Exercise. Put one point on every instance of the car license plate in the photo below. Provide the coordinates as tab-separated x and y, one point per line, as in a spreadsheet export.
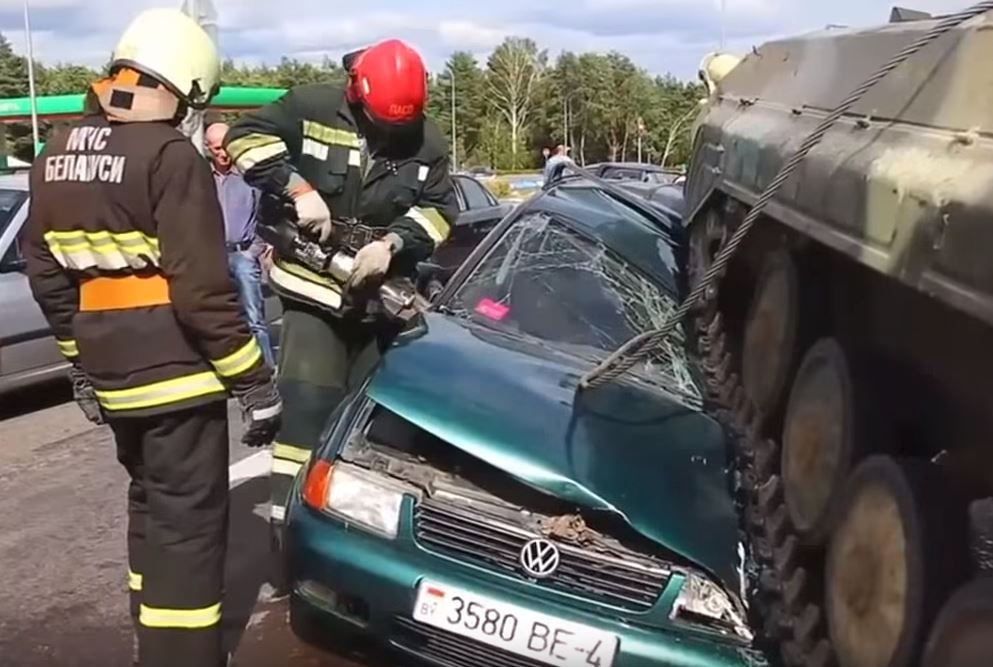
540	637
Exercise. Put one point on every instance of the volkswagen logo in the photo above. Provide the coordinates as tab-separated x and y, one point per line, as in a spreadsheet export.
540	558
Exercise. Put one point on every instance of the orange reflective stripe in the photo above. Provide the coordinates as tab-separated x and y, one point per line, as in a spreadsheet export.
123	292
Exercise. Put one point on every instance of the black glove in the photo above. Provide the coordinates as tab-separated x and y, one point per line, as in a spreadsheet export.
262	408
85	395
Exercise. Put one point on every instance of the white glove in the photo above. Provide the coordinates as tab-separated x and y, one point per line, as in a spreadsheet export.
313	214
373	260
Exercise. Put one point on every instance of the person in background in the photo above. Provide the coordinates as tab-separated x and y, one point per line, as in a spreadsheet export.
560	157
240	205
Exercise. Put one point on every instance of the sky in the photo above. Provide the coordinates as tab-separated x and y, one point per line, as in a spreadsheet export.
661	36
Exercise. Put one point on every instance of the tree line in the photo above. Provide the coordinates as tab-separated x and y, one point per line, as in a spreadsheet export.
505	111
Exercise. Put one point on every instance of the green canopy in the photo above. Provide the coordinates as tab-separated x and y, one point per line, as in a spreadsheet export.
19	108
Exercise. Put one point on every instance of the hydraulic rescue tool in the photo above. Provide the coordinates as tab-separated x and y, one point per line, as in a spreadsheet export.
397	298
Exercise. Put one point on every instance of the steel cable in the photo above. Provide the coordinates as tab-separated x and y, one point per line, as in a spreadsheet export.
642	345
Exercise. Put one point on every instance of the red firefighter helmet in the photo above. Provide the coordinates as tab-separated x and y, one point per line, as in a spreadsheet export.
389	81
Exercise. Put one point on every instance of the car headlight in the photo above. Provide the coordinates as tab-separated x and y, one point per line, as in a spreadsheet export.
702	602
356	495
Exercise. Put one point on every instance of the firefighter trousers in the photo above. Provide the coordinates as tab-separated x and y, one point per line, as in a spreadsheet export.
321	359
177	532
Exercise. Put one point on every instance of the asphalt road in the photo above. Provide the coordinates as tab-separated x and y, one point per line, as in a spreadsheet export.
63	565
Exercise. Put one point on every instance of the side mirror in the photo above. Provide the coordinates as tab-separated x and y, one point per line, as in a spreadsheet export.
429	270
431	279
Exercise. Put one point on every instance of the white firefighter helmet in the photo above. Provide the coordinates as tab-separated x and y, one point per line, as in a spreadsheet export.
171	47
715	66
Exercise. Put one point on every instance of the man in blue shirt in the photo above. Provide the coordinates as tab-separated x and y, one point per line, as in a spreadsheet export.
561	156
240	203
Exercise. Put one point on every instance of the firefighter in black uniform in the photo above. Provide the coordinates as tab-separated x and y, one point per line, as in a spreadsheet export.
365	172
125	254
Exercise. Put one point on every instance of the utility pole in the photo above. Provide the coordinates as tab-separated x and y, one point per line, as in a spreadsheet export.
565	120
641	133
455	144
204	13
723	14
35	134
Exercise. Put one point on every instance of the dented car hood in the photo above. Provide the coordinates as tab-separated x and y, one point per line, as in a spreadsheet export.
621	448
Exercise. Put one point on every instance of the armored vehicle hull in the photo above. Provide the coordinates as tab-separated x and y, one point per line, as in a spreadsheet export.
851	334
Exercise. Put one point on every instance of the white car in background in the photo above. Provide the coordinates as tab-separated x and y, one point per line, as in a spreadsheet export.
28	353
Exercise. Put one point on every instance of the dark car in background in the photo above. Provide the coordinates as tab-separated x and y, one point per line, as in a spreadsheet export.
635	171
468	508
479	213
666	196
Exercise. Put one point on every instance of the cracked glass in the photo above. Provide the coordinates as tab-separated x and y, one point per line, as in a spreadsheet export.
545	281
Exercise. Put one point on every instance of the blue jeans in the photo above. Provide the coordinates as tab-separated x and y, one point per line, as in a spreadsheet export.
246	272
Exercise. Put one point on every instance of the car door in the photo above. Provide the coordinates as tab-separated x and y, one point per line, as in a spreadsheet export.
480	213
27	346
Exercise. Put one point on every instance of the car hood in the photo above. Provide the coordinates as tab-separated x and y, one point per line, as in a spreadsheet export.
622	448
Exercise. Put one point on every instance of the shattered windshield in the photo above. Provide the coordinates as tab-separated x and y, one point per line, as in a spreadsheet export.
545	281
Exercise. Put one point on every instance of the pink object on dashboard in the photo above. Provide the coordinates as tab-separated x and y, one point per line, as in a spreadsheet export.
492	310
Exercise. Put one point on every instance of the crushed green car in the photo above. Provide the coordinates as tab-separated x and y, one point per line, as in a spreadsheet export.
468	508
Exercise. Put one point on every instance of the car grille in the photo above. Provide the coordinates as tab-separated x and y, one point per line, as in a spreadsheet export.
634	582
449	650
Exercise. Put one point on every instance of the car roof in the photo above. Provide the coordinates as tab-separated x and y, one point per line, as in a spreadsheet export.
644	166
624	222
17	180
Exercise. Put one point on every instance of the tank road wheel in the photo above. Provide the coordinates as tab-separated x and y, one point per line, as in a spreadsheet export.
821	440
963	634
769	352
898	550
706	239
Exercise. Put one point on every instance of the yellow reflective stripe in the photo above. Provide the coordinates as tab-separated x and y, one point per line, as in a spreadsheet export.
307	274
189	619
81	235
282	276
134	580
250	142
239	361
290	452
68	348
80	249
432	221
315	149
281	467
82	238
248	157
331	136
107	248
161	393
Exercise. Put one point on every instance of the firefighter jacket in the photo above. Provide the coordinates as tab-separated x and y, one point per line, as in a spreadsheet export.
125	255
311	132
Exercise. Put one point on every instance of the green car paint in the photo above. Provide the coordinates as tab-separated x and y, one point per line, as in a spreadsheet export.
628	450
385	574
631	451
623	448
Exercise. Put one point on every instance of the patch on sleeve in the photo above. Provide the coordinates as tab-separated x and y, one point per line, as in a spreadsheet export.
492	310
422	173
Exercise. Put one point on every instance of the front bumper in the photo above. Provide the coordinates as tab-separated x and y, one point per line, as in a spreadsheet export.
367	585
